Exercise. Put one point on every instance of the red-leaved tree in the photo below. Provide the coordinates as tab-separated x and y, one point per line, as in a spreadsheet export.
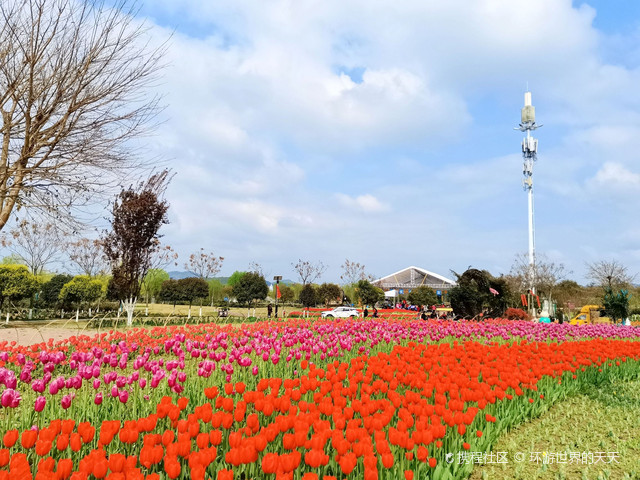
130	246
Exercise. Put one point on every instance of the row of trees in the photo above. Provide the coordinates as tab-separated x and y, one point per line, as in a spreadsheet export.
39	245
478	291
17	283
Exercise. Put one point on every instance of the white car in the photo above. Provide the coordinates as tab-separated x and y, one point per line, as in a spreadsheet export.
340	312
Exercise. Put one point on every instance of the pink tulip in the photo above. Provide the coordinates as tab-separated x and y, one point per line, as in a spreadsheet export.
65	401
10	398
40	403
98	398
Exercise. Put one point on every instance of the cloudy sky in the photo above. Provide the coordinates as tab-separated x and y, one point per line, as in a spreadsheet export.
382	131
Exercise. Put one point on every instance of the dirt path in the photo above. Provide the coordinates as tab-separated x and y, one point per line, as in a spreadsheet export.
31	335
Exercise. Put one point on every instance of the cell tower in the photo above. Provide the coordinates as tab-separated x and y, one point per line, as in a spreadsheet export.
529	156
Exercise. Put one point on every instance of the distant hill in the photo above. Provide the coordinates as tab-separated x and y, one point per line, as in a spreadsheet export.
177	275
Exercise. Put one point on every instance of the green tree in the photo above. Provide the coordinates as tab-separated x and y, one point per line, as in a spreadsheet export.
235	278
193	288
215	290
13	259
80	290
50	293
251	286
329	292
423	296
616	303
227	292
368	294
16	283
152	283
170	292
286	294
308	296
477	290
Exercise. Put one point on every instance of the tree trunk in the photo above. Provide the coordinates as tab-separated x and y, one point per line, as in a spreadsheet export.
129	306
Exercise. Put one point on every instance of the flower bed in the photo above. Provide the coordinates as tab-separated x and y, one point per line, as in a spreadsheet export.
294	399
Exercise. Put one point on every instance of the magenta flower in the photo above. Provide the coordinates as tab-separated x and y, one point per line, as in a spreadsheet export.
98	398
10	398
65	401
40	403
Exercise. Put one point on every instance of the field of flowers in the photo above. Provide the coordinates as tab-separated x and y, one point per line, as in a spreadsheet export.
290	399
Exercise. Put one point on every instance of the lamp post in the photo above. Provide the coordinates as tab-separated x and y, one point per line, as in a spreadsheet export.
277	278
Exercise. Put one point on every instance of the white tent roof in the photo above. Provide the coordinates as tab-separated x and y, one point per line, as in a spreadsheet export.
413	277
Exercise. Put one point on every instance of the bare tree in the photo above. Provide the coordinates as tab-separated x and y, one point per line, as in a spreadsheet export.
309	272
88	256
255	267
609	273
36	244
138	214
354	271
544	277
73	82
163	255
204	265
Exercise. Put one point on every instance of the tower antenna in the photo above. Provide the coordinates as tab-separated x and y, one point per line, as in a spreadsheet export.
529	156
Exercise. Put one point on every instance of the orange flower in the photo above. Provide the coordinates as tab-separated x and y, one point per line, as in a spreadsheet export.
28	439
211	393
10	438
116	462
43	447
100	468
65	466
76	442
408	475
4	457
270	463
225	475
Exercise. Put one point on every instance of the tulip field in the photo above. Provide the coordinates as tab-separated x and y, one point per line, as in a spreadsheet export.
291	399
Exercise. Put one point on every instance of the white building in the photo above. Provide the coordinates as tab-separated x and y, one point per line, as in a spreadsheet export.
413	277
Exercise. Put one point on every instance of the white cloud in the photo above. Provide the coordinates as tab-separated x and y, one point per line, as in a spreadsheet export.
365	203
615	176
276	106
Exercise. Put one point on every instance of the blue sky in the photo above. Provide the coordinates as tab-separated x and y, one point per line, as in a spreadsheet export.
383	132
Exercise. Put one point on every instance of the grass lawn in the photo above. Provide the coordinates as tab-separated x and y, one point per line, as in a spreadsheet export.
605	419
182	310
